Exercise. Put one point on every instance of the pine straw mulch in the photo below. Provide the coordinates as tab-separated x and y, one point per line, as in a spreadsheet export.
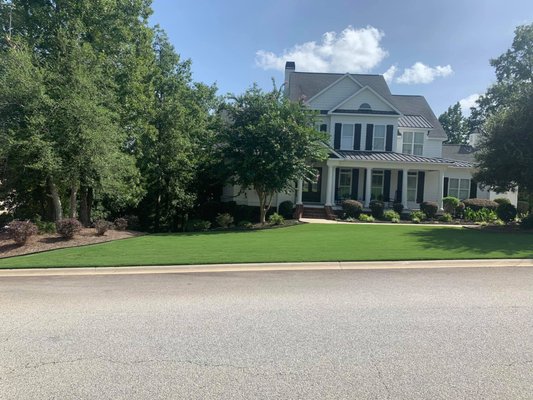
39	243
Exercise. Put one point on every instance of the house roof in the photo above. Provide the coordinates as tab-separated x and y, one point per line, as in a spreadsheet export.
305	85
399	157
414	121
460	152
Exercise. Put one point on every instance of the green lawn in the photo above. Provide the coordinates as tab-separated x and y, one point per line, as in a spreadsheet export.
311	242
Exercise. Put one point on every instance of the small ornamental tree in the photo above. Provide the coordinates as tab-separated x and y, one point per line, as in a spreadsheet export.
268	142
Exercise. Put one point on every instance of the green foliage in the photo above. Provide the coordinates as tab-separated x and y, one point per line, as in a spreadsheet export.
366	218
478	204
527	222
390	215
224	220
418	215
197	225
352	208
377	207
506	212
481	215
446	217
245	225
455	124
398	207
276	219
450	204
502	200
268	142
460	210
429	208
68	227
44	226
286	209
21	231
415	220
522	207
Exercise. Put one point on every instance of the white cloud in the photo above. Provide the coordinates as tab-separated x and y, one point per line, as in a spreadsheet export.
467	102
421	73
389	74
353	50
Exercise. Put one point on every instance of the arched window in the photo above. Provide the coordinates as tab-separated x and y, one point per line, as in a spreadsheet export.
365	106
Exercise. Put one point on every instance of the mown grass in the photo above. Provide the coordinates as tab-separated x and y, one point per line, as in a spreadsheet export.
310	242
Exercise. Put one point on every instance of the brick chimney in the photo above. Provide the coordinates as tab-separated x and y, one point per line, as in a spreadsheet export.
290	67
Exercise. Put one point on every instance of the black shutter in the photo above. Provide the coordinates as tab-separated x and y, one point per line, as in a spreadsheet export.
388	143
369	136
323	128
357	137
399	187
420	188
337	171
337	140
355	183
473	189
386	185
364	186
445	189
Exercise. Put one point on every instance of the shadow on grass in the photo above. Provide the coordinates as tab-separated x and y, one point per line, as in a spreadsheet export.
512	244
225	231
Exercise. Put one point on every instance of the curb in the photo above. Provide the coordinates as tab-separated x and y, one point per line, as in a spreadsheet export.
263	267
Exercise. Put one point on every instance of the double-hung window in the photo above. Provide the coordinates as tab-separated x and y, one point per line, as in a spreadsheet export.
459	188
347	137
376	191
412	184
345	183
413	143
379	138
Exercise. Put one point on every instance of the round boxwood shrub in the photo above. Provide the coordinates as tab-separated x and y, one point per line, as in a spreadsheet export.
352	208
21	231
506	212
429	208
478	204
377	207
286	209
417	216
276	219
196	225
527	222
68	227
102	226
391	215
502	200
450	204
446	217
121	224
224	220
398	207
522	207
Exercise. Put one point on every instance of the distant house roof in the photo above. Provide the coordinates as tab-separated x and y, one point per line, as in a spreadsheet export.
460	152
399	157
413	121
417	105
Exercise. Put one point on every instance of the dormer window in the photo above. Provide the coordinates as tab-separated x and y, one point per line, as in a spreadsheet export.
365	106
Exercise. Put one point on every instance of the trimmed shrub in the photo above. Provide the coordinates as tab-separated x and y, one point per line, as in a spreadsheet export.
395	220
478	204
276	219
522	207
286	209
527	222
102	226
197	225
502	200
415	220
389	215
446	217
68	227
21	231
398	207
418	215
224	220
506	212
429	208
245	225
366	218
377	207
450	204
121	224
352	208
460	210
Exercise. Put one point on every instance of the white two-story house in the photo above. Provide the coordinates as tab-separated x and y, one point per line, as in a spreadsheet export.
382	146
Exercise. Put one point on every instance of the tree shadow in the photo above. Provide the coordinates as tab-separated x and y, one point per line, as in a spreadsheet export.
512	244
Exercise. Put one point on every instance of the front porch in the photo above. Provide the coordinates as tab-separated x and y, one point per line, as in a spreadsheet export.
343	179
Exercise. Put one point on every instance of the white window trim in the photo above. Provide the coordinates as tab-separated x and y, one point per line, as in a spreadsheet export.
457	194
411	144
352	136
415	175
384	138
348	172
377	172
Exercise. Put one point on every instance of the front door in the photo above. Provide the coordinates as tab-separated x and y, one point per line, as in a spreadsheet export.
311	190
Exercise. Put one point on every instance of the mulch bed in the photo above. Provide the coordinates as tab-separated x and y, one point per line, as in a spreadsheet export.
39	243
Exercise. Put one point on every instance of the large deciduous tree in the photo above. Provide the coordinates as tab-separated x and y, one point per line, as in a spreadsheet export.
268	142
454	124
506	151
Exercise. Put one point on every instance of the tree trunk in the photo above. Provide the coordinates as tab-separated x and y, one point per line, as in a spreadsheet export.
264	204
84	211
56	200
90	198
73	202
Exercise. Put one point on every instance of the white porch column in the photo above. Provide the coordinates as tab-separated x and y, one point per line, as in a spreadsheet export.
404	187
299	191
441	189
368	188
330	185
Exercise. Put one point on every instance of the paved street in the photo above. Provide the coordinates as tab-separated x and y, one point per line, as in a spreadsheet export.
389	334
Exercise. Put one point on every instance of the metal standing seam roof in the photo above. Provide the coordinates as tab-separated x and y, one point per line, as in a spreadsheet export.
414	121
398	157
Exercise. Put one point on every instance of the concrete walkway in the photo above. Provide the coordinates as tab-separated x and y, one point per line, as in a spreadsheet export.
259	267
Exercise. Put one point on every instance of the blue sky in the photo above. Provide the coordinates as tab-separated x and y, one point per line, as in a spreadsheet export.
440	49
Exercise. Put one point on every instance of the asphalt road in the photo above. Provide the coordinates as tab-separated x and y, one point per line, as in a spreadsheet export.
389	334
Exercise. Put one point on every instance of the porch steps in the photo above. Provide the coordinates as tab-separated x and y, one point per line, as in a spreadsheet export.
314	212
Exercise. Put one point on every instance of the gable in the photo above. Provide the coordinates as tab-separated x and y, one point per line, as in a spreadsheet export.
365	97
334	94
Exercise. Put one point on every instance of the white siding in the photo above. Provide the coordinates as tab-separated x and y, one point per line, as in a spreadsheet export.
366	96
335	94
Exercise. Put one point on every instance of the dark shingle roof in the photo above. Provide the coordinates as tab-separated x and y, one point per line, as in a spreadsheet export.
460	152
414	121
398	157
417	105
